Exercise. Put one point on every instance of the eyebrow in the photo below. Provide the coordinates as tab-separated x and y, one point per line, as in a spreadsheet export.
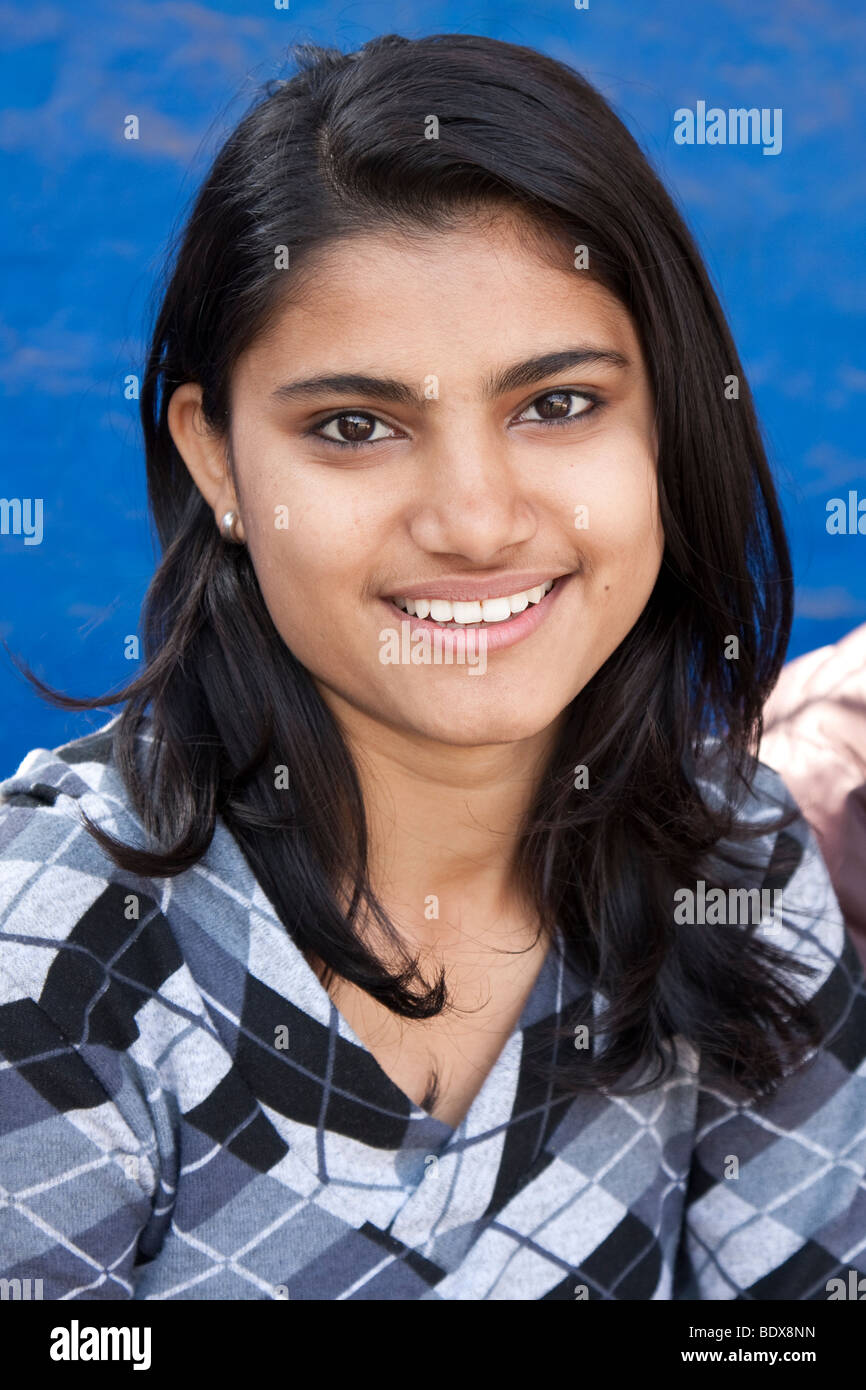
524	373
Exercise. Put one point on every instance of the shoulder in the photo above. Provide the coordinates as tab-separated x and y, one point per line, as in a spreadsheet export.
780	856
58	887
83	946
81	773
800	913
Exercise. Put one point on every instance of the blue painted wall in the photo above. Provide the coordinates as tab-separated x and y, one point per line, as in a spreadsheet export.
89	214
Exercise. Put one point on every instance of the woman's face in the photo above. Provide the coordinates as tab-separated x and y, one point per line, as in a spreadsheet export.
483	471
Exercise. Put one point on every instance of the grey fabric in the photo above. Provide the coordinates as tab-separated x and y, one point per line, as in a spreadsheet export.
161	1137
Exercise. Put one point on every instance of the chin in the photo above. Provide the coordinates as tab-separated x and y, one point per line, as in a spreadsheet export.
477	728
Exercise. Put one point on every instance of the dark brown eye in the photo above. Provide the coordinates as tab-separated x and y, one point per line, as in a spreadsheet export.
554	404
354	428
561	407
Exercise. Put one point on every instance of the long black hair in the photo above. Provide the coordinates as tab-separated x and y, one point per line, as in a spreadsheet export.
343	146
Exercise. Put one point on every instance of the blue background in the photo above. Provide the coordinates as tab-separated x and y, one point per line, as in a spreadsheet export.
90	214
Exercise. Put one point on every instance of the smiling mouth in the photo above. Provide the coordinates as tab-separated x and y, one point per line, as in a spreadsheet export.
480	613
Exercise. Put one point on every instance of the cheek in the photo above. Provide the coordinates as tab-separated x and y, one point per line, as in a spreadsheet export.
618	527
312	525
294	539
296	558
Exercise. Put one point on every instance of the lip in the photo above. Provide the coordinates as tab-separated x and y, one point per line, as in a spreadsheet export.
467	589
498	635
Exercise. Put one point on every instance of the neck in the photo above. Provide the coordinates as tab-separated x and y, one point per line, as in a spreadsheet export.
443	826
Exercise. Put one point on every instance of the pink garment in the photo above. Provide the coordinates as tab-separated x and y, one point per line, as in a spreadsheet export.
815	738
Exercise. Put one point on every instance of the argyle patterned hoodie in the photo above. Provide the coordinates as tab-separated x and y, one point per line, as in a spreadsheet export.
184	1114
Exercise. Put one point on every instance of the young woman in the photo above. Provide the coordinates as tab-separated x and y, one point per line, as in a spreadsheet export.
425	926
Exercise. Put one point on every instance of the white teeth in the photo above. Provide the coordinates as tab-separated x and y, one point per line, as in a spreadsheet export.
467	612
496	610
488	610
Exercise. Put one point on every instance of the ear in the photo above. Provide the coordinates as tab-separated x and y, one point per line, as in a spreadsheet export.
203	452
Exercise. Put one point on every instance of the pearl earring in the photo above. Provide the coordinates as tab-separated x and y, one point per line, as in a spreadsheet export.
228	527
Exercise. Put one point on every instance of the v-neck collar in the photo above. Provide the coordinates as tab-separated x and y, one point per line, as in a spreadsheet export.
489	1103
492	1104
350	1140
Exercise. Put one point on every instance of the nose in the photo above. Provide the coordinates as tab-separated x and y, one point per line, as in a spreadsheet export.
470	500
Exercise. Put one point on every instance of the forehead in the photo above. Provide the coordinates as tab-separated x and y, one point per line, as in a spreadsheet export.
493	284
